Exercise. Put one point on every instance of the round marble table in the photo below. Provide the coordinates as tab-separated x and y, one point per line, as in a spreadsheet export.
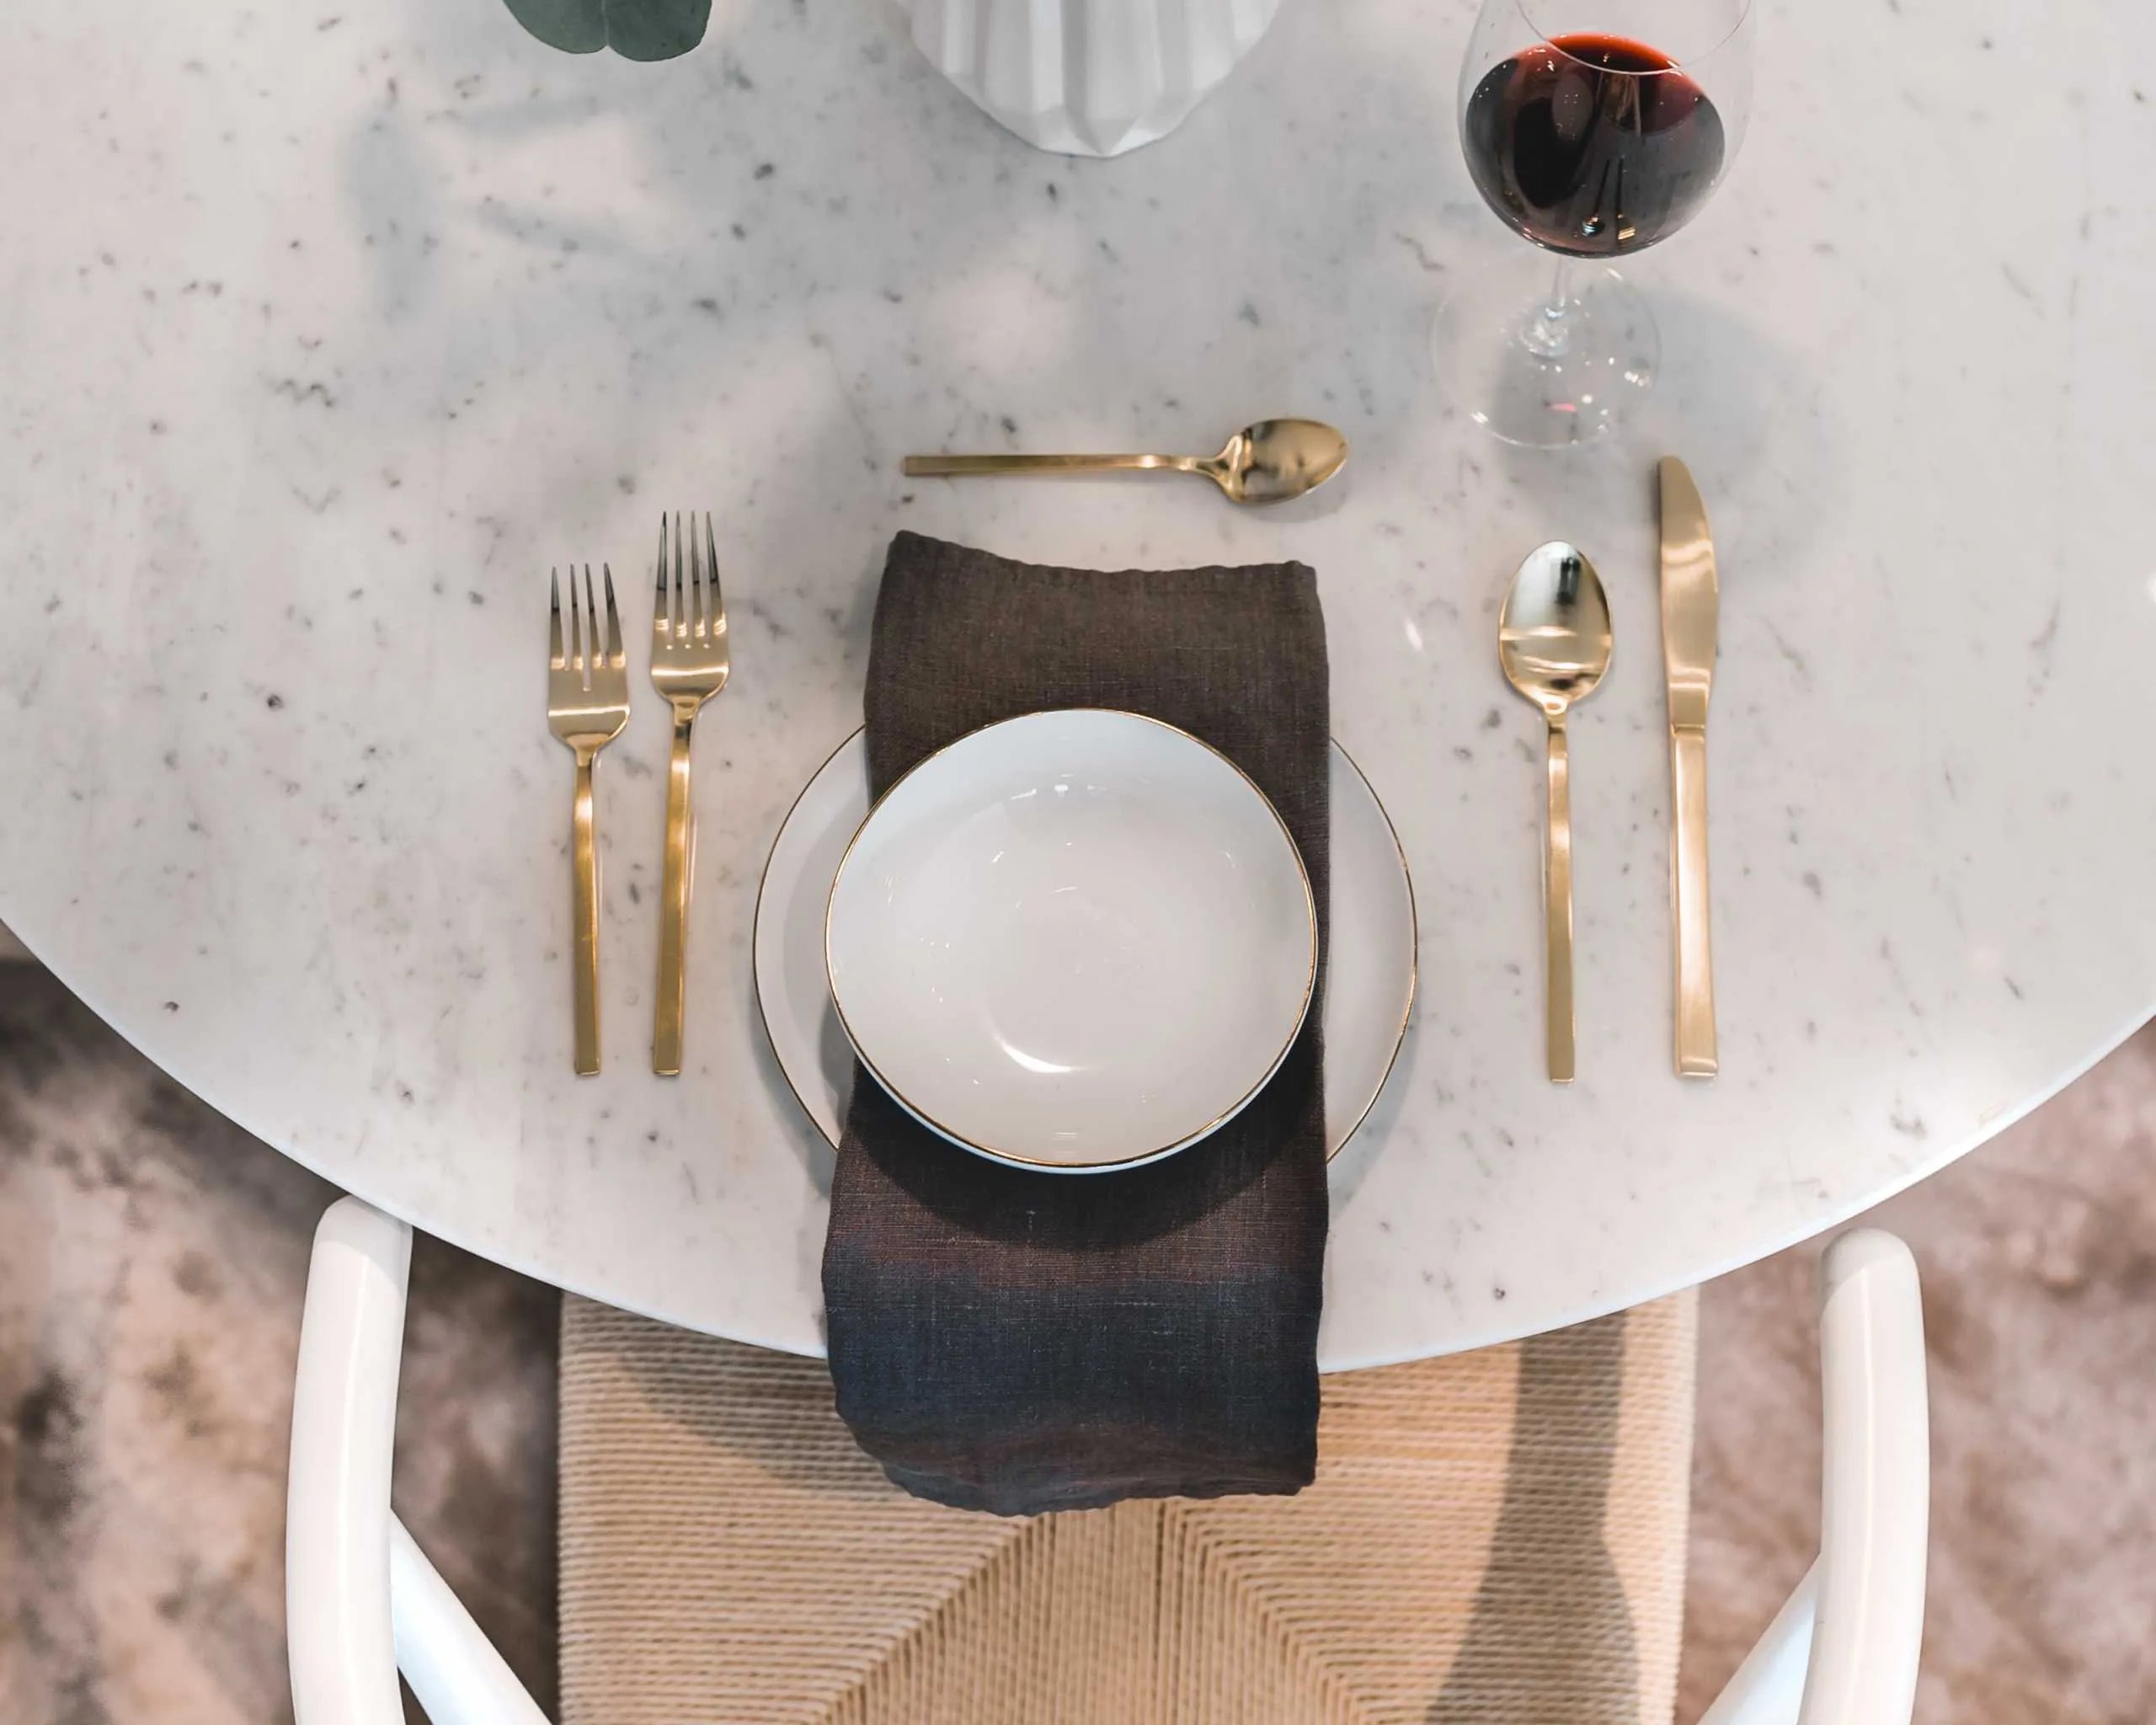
326	330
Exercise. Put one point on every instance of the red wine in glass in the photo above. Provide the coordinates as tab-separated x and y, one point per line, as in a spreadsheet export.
1592	144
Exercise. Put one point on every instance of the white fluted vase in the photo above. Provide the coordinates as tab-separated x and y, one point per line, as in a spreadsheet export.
1088	77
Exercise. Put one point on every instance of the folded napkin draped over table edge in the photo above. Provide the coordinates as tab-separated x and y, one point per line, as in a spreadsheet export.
1013	1341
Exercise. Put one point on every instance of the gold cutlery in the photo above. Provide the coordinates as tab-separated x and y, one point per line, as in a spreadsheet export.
587	705
1690	608
1554	644
1268	463
689	665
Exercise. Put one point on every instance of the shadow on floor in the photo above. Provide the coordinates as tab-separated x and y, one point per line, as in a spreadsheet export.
2039	1259
152	1257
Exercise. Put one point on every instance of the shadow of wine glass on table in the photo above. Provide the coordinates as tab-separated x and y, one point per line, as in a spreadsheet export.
1732	401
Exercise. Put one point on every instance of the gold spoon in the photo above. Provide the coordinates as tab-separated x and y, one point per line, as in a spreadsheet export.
1554	641
1268	463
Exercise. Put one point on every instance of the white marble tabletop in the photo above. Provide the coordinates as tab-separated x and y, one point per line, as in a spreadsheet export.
325	330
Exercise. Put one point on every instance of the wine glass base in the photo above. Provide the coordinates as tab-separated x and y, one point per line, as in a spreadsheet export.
1541	372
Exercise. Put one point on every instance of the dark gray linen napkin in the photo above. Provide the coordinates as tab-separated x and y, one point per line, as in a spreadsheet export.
1018	1342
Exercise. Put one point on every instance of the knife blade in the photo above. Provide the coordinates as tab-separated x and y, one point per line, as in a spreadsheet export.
1691	606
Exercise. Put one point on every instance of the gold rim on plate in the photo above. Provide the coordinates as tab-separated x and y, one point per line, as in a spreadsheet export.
808	1109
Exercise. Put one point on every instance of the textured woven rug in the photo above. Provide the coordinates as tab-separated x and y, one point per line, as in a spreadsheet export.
1494	1537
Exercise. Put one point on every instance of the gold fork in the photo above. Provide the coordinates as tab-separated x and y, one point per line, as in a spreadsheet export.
587	705
689	665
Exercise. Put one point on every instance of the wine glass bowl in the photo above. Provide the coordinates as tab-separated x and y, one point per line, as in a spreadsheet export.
1593	128
1592	146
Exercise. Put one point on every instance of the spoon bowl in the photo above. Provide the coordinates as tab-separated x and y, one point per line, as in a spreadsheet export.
1276	459
1554	637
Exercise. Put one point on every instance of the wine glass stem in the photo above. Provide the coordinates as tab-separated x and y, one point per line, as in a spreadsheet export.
1547	332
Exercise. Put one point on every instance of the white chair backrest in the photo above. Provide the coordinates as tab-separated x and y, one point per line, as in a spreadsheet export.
362	1601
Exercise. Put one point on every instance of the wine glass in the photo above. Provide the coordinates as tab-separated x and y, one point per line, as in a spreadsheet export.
1593	128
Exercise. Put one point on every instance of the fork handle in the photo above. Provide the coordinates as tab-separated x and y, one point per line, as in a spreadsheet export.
583	914
674	907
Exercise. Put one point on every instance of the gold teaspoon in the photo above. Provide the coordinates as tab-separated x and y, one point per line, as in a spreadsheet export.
1554	642
1268	463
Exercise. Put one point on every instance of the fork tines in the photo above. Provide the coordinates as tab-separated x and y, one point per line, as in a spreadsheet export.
683	609
583	625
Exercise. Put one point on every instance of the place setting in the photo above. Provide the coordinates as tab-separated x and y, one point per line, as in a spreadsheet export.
1087	954
1093	946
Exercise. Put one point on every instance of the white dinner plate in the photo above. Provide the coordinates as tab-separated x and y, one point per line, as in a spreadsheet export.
1370	970
1076	940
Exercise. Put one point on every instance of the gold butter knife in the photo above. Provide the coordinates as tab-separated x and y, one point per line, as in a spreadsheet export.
1691	601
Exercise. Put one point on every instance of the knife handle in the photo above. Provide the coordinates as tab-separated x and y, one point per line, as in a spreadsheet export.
1688	901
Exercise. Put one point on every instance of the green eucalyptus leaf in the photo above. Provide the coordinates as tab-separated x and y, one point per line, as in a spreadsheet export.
635	29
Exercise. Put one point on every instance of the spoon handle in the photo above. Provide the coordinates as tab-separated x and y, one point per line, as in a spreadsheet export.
1557	907
929	467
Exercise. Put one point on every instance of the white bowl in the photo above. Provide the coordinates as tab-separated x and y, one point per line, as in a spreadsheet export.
1076	940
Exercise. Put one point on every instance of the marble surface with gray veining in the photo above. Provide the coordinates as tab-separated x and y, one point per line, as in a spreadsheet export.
326	328
152	1259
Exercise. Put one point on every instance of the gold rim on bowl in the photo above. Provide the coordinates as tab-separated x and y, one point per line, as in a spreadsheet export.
1012	1158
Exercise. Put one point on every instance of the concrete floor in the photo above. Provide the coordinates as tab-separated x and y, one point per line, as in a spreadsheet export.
152	1259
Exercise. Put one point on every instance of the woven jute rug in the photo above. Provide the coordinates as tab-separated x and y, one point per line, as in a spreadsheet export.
1494	1537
